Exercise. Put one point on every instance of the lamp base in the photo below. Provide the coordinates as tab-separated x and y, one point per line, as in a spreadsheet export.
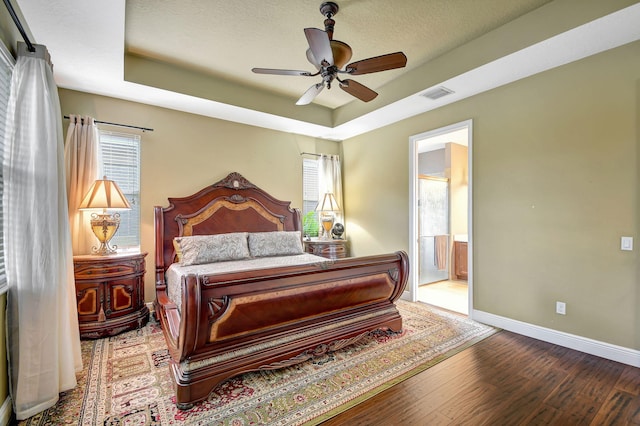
104	227
104	249
327	224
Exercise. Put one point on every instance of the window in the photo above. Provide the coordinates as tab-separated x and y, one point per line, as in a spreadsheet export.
120	155
310	197
6	68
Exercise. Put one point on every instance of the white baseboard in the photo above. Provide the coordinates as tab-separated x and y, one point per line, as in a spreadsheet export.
582	344
5	412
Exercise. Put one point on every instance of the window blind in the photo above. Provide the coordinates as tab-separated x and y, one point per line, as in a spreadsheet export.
310	197
6	68
120	155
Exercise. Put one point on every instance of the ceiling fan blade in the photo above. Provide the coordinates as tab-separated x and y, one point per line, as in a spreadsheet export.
313	60
358	90
379	63
310	94
320	46
280	72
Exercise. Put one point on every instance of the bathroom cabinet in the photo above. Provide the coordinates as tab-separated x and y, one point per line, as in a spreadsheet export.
461	260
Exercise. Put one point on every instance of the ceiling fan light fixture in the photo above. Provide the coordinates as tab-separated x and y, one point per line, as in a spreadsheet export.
341	53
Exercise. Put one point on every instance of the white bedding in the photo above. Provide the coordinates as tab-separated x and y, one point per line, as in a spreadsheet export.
176	271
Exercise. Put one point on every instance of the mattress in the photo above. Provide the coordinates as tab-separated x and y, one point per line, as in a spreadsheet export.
176	271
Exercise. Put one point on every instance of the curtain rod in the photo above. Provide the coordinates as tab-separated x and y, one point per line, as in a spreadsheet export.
16	21
310	153
120	125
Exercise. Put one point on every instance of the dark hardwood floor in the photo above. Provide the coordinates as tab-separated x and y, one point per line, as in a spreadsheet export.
508	379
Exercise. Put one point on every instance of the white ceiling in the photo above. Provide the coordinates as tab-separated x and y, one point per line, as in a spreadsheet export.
89	40
227	41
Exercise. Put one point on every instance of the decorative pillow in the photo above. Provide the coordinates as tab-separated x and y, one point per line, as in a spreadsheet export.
276	243
177	249
200	249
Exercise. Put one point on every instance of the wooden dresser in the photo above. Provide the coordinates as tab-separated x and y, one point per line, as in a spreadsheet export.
332	249
110	293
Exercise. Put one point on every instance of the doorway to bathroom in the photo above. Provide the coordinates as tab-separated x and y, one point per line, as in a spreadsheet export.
441	217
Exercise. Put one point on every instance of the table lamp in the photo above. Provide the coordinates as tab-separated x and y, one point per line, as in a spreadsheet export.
326	207
104	194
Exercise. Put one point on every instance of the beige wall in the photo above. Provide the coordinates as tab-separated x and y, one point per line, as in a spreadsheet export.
187	152
555	186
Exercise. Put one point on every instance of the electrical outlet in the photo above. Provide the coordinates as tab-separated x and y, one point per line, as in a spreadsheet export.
561	308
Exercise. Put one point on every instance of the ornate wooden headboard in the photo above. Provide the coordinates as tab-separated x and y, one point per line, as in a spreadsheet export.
231	205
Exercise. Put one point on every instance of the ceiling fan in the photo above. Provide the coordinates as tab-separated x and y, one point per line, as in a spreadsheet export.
329	56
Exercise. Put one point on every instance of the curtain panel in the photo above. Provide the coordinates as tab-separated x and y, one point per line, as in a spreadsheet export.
82	164
330	180
42	322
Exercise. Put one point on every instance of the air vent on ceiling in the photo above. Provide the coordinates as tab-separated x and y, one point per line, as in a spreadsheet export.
437	93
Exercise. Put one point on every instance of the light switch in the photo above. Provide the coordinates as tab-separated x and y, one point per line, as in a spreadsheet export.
626	243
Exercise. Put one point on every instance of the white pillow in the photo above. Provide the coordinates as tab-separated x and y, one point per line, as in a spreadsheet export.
275	243
198	249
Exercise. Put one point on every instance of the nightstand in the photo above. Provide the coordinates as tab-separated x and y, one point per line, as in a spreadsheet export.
332	249
110	293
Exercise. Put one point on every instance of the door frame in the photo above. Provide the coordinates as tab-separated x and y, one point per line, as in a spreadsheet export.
413	205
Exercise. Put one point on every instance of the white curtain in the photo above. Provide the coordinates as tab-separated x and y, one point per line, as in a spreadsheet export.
330	180
42	322
83	168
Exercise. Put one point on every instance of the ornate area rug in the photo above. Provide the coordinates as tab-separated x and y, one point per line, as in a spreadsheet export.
126	378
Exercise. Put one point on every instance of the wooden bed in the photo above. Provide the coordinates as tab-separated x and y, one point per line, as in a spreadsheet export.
229	323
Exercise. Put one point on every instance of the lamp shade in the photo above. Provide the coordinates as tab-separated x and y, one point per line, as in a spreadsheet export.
104	194
328	203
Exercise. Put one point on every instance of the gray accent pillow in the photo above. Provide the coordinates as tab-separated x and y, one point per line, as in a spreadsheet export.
199	249
276	243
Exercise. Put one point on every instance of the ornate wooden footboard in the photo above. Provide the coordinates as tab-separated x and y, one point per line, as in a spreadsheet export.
234	322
